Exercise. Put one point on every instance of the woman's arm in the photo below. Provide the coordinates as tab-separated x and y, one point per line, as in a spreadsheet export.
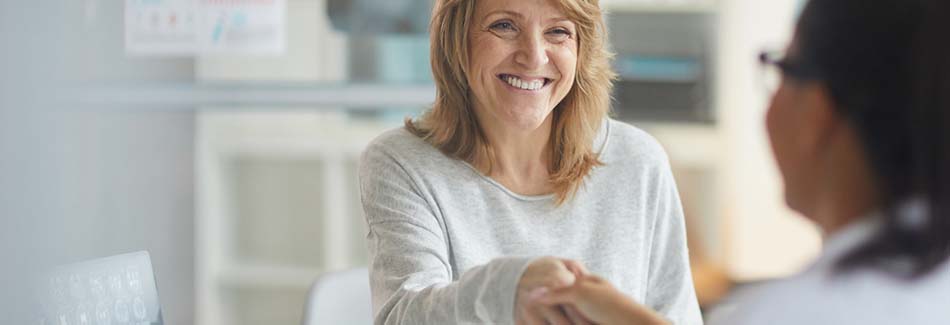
670	289
411	273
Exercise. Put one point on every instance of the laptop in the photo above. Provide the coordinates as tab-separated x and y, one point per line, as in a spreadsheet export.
115	290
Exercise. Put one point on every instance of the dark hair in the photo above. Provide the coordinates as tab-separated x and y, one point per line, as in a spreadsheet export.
886	65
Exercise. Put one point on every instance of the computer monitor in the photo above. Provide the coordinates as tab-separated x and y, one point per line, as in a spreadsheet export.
115	290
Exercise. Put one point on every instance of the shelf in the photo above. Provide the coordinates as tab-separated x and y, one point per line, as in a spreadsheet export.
632	7
661	80
324	135
296	148
245	95
688	145
651	68
269	276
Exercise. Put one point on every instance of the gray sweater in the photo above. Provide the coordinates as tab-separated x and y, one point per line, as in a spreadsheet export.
448	245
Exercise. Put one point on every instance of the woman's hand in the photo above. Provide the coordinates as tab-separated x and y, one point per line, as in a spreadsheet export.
598	300
547	273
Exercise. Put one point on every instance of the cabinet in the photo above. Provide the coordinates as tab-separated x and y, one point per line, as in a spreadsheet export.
278	206
278	142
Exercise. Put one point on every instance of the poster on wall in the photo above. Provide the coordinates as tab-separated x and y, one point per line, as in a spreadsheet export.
241	26
191	27
160	27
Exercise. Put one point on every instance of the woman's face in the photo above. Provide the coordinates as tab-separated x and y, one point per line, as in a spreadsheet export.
794	133
781	122
523	55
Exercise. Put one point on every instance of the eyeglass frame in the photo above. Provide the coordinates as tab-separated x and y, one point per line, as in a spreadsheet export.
789	68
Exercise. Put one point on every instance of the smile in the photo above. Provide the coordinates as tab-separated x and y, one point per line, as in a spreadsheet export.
524	84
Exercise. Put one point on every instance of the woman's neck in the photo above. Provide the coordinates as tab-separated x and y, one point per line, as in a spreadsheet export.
521	157
834	218
848	191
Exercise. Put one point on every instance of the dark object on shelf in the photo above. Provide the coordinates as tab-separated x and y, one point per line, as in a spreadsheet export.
380	16
388	39
665	62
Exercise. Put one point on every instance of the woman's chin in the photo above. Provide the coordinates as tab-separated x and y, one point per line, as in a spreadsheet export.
529	120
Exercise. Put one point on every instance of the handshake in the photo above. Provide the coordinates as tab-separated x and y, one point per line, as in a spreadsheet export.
562	291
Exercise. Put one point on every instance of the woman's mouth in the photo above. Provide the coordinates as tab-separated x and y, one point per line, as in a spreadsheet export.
530	84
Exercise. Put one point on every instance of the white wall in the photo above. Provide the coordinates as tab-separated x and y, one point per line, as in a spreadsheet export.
76	183
93	184
127	186
765	239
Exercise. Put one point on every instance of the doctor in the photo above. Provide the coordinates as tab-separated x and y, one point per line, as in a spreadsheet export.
860	129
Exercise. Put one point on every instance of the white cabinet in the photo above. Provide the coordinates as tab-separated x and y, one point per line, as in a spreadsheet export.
278	205
277	201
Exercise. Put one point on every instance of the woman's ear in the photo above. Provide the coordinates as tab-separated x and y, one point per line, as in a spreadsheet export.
820	117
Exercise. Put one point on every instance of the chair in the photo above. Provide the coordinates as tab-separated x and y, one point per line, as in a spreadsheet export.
340	298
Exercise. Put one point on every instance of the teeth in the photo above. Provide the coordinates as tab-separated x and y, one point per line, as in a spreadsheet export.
526	85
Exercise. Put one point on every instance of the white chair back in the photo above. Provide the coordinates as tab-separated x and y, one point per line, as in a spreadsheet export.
340	298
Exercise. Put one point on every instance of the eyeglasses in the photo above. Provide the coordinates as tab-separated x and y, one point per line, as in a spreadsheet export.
776	67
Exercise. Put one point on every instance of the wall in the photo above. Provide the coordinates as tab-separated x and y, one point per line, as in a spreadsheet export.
78	183
765	239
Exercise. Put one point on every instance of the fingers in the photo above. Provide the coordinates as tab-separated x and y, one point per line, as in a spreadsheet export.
575	267
569	271
595	279
545	277
575	316
561	303
528	316
552	272
533	312
545	271
553	315
563	296
561	278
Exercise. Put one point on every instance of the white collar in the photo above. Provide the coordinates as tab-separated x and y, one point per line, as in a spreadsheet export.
846	239
911	212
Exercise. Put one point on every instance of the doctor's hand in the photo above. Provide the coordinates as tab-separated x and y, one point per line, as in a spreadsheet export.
543	274
598	300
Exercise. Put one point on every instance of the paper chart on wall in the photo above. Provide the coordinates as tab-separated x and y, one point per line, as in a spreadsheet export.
190	27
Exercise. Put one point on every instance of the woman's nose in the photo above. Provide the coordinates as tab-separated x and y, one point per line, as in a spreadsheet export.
532	52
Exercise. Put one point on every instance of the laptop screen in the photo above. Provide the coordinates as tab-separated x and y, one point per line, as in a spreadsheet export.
113	290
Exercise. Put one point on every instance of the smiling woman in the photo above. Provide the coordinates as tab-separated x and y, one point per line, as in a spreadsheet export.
516	180
484	56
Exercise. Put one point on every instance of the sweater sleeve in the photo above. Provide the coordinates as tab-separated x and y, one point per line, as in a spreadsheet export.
670	288
411	277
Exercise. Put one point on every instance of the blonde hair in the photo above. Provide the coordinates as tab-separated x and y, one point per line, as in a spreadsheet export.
451	126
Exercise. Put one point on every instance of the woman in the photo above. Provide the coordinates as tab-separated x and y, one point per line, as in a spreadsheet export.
516	161
860	129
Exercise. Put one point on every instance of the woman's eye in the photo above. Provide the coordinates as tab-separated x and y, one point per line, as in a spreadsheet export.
503	26
560	34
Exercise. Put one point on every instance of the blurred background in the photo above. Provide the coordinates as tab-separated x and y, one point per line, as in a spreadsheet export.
223	136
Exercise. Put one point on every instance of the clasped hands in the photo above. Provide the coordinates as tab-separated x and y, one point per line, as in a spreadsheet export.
561	291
